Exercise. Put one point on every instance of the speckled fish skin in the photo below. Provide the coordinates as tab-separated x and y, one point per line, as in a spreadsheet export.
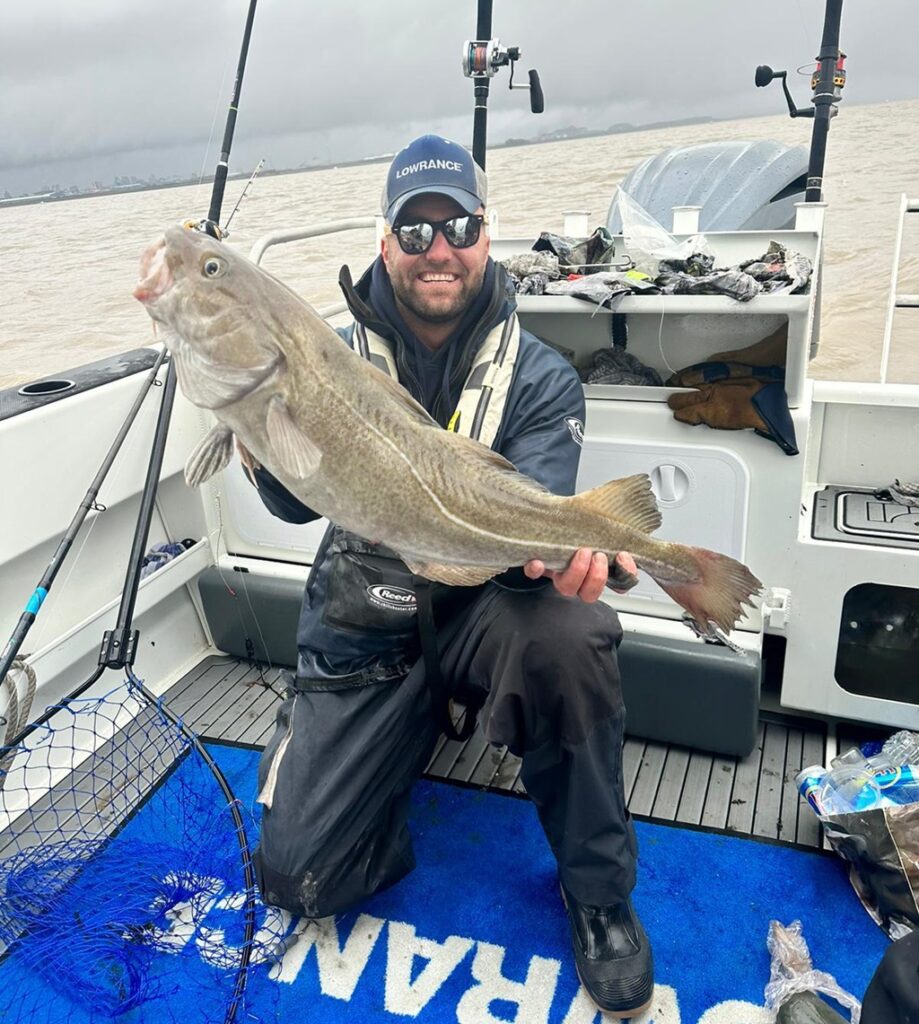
354	446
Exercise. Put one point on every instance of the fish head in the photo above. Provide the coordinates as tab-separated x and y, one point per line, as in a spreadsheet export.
206	296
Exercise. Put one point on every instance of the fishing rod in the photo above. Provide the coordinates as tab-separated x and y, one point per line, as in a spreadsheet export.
40	593
482	58
212	224
225	230
827	84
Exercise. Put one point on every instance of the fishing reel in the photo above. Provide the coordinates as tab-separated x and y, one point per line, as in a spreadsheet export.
765	74
206	227
484	57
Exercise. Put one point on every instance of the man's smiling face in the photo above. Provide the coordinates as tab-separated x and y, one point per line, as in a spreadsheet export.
435	286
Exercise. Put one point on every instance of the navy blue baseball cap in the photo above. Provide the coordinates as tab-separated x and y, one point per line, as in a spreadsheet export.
432	164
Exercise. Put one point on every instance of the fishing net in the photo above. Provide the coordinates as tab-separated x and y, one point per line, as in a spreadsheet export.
123	890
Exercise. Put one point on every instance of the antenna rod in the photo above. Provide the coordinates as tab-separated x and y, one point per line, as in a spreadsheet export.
825	98
212	224
480	122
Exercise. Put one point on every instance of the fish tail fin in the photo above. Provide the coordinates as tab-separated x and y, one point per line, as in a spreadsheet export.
629	501
718	594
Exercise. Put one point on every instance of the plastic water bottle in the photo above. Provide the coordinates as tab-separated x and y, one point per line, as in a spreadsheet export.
845	790
850	787
809	780
852	758
899	785
902	748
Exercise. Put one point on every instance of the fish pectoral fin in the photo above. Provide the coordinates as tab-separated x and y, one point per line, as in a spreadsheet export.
211	454
629	500
212	385
454	575
297	455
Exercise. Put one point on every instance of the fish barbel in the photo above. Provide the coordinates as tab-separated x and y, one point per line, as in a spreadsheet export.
354	446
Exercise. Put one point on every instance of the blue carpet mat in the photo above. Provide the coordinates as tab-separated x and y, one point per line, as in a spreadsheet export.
477	934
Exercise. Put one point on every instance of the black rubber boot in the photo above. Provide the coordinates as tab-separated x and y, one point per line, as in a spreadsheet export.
613	956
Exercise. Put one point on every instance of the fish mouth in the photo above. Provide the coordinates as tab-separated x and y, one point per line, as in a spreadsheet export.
155	273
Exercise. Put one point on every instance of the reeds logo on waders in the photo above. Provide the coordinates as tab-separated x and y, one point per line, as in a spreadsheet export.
392	598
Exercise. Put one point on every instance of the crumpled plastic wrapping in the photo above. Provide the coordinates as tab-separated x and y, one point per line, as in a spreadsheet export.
780	271
523	264
579	255
655	262
603	289
793	982
648	242
734	283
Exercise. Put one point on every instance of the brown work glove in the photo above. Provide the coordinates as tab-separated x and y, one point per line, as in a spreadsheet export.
724	404
732	396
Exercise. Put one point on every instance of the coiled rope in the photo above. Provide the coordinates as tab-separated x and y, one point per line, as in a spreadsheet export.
17	708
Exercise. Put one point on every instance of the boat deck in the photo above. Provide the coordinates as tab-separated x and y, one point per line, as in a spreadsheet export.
226	699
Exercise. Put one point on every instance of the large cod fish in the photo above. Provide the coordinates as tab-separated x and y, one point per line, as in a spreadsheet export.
353	445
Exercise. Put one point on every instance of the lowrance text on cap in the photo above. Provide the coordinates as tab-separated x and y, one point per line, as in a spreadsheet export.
433	164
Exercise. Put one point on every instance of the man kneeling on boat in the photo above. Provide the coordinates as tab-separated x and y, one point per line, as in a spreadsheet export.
382	652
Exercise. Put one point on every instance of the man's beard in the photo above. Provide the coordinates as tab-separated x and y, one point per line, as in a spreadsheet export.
439	314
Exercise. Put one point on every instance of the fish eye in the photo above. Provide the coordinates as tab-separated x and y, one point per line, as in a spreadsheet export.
213	266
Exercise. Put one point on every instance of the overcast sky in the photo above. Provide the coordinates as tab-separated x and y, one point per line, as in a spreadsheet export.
90	89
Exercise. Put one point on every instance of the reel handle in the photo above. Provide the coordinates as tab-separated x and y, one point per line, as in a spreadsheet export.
537	101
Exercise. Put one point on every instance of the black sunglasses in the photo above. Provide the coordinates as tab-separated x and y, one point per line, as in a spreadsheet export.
418	237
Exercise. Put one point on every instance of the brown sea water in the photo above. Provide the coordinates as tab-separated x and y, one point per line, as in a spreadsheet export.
67	268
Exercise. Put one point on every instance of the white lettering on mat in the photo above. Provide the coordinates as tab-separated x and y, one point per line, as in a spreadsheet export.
533	996
407	997
341	963
340	966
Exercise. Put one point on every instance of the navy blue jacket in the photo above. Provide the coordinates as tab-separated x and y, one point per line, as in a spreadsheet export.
540	434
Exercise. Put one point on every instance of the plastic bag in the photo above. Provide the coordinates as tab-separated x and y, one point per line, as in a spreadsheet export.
793	982
878	837
647	242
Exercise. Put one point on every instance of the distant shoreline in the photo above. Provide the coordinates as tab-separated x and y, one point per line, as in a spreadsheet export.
540	140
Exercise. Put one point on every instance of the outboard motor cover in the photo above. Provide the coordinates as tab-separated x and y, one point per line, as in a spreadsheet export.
741	186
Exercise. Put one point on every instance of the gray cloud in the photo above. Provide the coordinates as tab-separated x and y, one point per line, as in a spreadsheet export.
90	90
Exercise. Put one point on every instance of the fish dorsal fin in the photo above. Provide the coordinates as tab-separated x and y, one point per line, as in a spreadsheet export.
508	478
467	446
454	575
629	500
296	453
